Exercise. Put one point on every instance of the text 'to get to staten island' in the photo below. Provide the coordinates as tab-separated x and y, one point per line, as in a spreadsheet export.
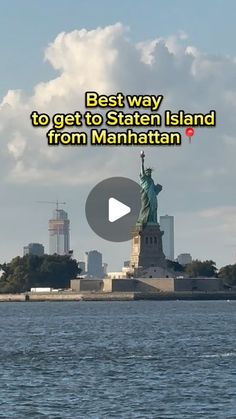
120	120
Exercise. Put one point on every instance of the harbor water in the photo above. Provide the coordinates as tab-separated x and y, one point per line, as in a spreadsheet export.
137	359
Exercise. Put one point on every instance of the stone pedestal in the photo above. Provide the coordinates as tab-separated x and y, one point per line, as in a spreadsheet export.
147	248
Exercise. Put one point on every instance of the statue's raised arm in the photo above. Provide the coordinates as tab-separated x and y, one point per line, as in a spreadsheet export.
149	192
142	155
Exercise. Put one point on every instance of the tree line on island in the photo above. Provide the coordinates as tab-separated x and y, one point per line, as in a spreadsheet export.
206	269
29	271
55	271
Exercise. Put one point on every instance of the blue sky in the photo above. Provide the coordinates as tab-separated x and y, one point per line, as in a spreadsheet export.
198	180
26	28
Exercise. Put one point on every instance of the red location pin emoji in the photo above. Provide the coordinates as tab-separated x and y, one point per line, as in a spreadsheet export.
189	132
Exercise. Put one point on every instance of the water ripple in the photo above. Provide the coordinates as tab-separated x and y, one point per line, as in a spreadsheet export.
167	360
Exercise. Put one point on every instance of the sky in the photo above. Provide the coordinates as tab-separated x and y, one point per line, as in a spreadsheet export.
52	52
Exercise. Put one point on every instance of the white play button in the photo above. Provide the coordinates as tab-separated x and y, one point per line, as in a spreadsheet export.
112	208
116	210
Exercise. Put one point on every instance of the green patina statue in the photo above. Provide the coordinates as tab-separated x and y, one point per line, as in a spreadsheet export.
149	192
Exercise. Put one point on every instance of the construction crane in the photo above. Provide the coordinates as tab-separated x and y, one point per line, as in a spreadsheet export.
57	203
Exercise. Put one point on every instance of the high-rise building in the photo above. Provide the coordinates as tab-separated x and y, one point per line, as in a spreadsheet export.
36	249
167	226
59	233
184	259
86	261
93	261
82	267
104	268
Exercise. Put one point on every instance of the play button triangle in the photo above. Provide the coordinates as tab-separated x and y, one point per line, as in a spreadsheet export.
117	210
113	207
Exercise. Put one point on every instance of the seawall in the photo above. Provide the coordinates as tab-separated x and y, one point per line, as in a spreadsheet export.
116	296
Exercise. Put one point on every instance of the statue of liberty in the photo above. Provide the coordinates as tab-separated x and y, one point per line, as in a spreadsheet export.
149	192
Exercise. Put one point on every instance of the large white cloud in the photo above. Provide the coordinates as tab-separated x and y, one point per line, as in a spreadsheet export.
199	175
106	60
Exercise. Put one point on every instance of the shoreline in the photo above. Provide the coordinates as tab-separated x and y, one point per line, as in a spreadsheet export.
116	296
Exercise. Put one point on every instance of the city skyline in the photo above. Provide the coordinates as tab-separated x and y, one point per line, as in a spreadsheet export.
78	252
59	239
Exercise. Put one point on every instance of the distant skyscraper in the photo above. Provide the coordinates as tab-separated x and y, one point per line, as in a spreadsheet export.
167	225
104	267
82	267
86	261
184	259
36	249
93	261
59	233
